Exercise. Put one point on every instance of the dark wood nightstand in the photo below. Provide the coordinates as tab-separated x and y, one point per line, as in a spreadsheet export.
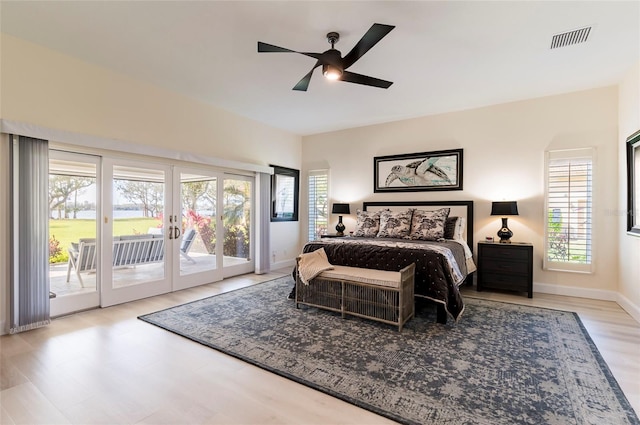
507	266
332	235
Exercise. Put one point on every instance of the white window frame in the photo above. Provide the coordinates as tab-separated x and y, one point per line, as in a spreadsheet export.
311	204
572	158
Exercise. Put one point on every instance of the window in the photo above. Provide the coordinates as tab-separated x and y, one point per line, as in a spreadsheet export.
318	203
285	184
633	184
568	202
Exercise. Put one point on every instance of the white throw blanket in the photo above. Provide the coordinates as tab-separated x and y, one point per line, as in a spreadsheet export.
312	264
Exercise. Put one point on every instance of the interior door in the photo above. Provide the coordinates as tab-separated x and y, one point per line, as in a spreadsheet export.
197	259
74	237
138	227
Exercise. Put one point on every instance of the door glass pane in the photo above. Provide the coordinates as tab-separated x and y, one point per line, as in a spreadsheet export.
198	244
138	233
237	221
72	227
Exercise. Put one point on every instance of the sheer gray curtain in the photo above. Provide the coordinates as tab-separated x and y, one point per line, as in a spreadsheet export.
29	286
263	264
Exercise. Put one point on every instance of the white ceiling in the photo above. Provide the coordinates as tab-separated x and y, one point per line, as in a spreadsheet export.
442	56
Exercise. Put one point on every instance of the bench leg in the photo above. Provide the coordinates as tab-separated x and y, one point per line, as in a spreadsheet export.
441	314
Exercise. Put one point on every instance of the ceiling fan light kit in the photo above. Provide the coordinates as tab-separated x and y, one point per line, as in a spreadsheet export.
334	66
331	72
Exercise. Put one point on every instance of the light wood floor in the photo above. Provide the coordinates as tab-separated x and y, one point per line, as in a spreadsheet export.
107	367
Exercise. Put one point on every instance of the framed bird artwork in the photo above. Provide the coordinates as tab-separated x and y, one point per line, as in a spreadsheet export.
423	171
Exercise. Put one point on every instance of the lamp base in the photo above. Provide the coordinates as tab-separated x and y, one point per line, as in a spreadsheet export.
504	233
340	227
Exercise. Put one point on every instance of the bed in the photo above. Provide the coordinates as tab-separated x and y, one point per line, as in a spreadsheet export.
442	265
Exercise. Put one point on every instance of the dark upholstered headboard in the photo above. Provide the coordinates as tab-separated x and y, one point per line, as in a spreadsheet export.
458	208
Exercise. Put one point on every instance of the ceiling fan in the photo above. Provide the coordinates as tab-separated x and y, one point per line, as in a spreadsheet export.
334	66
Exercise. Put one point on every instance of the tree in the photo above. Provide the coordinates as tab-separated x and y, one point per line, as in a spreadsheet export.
195	192
237	216
201	195
62	187
237	204
148	195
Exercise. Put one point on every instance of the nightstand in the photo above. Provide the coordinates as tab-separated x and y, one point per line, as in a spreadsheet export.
507	266
332	235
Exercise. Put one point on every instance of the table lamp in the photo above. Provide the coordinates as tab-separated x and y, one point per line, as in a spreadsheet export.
340	209
504	209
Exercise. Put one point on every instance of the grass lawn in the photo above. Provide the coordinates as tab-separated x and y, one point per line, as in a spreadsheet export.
70	230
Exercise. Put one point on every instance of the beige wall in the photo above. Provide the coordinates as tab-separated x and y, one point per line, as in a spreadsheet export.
43	87
629	246
504	149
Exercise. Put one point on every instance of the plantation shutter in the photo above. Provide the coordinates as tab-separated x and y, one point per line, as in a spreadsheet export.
569	207
318	203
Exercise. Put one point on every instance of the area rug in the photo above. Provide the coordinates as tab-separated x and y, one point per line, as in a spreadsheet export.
500	364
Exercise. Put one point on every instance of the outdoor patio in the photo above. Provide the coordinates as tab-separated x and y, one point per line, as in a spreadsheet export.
128	276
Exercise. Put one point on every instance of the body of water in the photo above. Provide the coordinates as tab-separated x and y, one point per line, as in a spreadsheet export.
89	214
116	214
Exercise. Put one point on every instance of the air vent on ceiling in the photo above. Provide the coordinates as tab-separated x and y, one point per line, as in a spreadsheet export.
570	37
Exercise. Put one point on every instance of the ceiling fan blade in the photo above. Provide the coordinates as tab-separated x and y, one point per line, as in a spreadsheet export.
270	48
352	77
304	83
370	39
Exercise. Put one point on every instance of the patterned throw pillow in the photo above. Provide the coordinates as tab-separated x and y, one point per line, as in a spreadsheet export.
429	225
368	224
395	224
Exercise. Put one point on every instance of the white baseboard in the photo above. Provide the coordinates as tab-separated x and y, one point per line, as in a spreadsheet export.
285	263
594	294
572	291
629	307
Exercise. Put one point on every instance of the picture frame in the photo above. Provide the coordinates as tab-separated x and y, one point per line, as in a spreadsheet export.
633	184
285	188
418	172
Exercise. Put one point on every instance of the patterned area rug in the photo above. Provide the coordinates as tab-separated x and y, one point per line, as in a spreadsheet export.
500	364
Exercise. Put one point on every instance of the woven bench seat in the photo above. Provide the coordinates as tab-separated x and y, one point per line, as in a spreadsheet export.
380	295
370	276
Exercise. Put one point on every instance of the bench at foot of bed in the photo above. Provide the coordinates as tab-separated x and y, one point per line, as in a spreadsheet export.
384	296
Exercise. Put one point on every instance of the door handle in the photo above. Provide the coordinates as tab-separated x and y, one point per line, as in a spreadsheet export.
170	232
177	234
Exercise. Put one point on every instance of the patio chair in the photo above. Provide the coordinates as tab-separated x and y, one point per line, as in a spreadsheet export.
82	257
185	246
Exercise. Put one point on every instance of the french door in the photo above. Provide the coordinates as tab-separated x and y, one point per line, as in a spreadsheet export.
237	214
216	241
74	231
134	229
200	226
138	231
